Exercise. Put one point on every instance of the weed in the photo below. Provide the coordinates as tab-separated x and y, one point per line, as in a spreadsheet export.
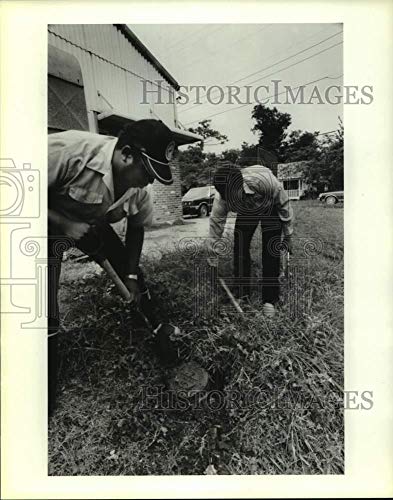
274	400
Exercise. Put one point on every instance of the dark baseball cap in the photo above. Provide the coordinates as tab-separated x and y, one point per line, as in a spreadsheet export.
156	143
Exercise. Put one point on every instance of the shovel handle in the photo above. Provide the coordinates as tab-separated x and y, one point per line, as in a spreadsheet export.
231	297
123	290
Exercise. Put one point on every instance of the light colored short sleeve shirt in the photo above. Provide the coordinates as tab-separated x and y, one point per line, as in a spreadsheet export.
80	180
264	192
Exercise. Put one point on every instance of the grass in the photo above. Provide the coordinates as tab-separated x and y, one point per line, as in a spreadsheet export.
282	380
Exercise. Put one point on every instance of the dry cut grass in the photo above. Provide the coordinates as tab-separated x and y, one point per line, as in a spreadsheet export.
274	400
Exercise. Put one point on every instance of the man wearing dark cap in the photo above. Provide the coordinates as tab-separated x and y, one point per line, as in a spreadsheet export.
95	180
258	198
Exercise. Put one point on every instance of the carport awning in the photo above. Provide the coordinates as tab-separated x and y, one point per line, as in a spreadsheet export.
113	120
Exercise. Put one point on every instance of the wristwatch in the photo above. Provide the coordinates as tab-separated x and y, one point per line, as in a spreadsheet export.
132	276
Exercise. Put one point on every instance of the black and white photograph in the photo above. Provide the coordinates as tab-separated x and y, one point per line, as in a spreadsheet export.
195	249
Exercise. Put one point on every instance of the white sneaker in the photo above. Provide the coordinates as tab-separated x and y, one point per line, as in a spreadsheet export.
268	310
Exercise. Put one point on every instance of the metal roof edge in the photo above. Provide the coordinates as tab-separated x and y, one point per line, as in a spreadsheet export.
180	134
134	40
186	133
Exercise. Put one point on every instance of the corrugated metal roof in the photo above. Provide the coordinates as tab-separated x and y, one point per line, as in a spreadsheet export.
115	120
134	40
113	71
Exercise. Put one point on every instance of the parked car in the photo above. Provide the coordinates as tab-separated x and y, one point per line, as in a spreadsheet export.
198	201
331	197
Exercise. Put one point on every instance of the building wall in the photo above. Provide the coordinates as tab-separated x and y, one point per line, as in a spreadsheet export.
293	171
113	72
167	199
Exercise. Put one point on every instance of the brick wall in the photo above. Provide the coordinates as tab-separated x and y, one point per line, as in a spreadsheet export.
166	203
167	199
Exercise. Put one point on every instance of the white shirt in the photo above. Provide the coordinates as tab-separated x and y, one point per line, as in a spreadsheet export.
80	180
264	193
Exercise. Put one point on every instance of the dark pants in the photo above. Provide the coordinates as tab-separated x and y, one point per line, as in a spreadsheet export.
271	236
110	247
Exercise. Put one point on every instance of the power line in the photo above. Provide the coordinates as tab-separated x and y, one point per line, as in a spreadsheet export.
282	69
188	46
289	57
277	52
297	62
328	133
316	135
190	35
300	42
268	97
268	67
227	46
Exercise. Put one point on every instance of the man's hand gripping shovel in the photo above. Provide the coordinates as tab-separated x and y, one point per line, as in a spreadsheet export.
188	377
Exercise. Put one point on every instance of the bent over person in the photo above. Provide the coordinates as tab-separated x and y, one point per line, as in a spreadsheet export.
95	180
258	198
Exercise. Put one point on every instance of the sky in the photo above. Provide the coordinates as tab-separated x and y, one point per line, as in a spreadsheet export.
249	55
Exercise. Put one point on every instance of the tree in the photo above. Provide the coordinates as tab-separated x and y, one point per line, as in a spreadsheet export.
334	158
300	146
190	162
248	154
327	170
243	157
271	125
231	155
204	129
195	165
